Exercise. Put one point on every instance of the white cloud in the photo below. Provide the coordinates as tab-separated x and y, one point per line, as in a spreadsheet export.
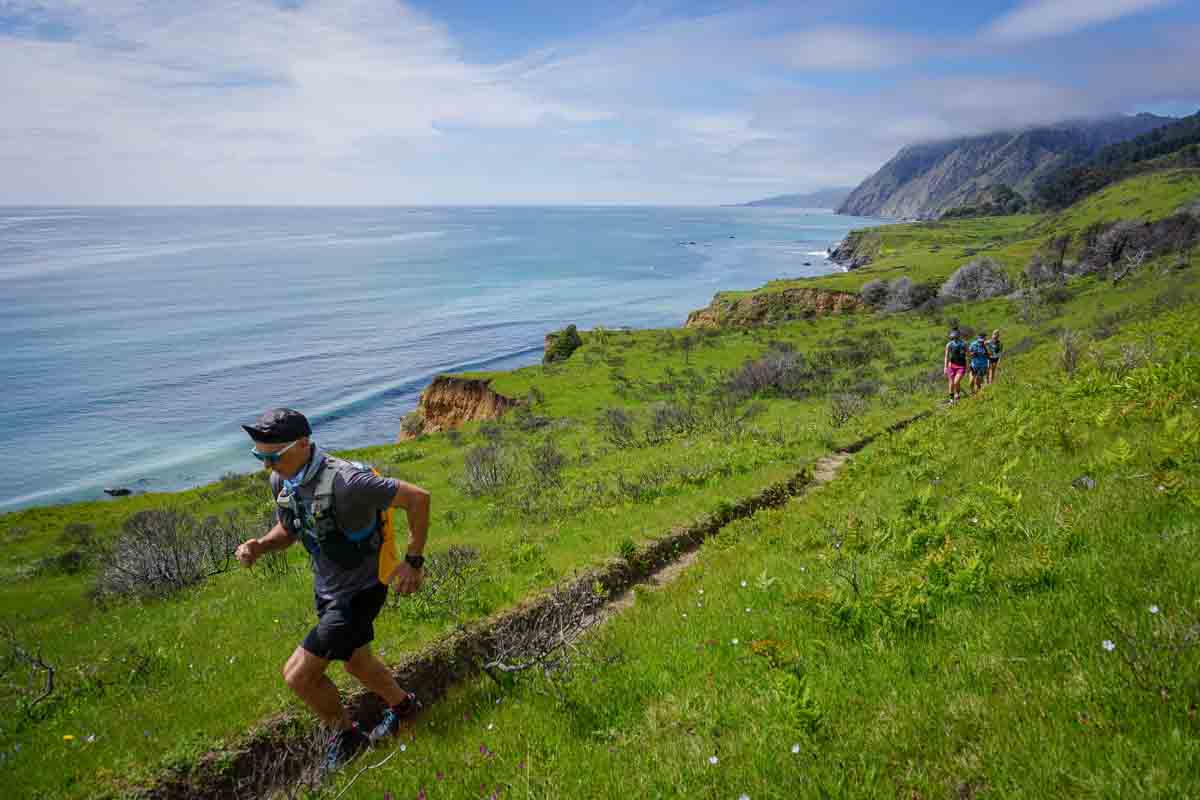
369	101
1038	18
845	47
235	86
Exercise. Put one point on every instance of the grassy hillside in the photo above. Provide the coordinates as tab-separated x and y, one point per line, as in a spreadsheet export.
159	681
1000	601
930	251
907	657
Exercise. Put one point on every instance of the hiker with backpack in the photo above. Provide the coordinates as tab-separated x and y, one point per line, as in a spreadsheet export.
341	512
980	362
995	348
955	363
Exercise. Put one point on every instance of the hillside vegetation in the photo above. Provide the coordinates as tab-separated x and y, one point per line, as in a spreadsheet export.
932	622
926	180
1174	145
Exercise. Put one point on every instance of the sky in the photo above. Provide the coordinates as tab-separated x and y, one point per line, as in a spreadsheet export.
429	102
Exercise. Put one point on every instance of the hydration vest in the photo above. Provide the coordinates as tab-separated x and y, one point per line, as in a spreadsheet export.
978	349
316	524
958	352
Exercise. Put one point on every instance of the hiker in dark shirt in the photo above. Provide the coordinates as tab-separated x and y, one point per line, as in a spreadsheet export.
337	509
995	349
980	362
955	363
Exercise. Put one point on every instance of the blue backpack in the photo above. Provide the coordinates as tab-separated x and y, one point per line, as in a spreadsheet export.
978	349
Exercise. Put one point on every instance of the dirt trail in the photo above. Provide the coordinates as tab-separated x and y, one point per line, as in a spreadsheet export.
282	749
824	470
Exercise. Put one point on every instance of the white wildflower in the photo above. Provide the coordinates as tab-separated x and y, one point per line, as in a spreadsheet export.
734	641
1108	645
795	749
712	759
743	584
1153	609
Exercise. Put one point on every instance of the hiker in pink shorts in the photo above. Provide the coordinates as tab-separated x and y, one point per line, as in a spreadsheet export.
955	363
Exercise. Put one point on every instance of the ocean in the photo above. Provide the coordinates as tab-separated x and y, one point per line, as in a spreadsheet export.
137	339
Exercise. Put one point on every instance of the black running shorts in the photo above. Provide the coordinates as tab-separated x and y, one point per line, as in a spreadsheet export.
345	624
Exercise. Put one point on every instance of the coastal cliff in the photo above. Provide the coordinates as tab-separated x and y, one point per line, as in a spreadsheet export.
449	402
857	250
767	307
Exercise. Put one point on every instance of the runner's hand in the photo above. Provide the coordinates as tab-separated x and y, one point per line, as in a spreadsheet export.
248	552
405	579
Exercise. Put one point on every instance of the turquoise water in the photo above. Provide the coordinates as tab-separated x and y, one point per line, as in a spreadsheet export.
136	339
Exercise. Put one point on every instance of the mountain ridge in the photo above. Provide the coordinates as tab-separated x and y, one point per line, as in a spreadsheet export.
926	179
829	197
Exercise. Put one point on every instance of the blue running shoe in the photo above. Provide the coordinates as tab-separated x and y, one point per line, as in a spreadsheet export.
343	747
392	717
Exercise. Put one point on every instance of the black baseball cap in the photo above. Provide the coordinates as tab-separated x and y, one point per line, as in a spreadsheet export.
279	426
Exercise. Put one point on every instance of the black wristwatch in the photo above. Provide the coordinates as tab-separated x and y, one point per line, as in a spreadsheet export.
416	562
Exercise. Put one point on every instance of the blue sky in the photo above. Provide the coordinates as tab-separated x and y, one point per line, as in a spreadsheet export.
464	101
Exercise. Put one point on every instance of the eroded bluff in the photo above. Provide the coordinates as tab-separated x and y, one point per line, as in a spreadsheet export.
450	402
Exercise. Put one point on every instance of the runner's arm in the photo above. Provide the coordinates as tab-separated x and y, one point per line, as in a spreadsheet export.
277	538
415	502
250	550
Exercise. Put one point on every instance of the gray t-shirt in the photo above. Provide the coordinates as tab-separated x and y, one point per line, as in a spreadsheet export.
358	497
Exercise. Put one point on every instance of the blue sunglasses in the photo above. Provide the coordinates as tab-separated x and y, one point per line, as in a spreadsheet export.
271	458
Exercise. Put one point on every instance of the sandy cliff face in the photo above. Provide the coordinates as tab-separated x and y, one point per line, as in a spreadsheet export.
449	402
770	307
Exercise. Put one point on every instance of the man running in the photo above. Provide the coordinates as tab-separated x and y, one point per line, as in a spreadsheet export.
335	508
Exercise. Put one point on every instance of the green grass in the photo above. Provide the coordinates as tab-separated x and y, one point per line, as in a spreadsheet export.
931	251
930	624
158	682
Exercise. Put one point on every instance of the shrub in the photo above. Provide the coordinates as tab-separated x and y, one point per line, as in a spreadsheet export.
160	551
412	424
616	425
1070	348
527	421
561	344
669	419
782	373
485	469
900	297
1113	242
874	293
491	430
844	406
78	534
546	463
980	279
